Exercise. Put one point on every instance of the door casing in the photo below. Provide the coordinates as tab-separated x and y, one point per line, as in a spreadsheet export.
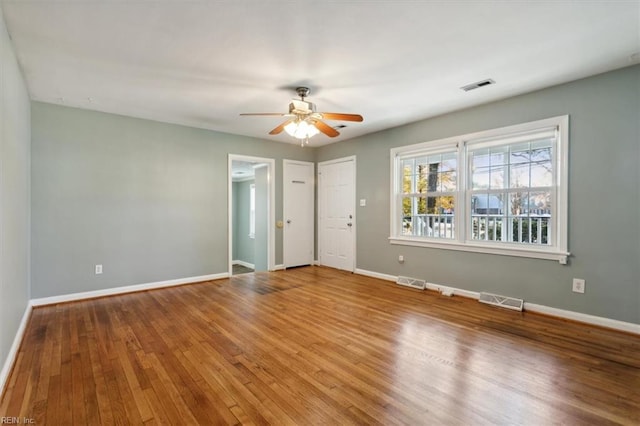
271	246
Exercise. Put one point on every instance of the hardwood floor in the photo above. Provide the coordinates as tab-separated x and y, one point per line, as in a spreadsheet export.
316	346
239	269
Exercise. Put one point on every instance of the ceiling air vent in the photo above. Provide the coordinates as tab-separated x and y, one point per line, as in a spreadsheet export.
478	84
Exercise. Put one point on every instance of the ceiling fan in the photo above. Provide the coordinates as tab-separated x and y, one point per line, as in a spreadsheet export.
304	122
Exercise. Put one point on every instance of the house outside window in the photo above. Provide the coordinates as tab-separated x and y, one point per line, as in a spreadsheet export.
501	191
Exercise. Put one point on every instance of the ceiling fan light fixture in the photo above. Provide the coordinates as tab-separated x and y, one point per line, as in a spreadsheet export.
301	129
304	122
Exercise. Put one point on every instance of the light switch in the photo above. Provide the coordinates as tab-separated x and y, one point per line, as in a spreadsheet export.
363	202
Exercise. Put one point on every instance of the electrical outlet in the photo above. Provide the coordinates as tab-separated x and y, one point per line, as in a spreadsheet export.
98	269
578	285
401	258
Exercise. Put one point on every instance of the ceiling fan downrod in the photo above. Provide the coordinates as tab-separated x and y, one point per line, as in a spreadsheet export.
303	92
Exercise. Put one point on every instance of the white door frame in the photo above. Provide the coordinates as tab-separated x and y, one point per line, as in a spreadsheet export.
271	211
321	201
286	202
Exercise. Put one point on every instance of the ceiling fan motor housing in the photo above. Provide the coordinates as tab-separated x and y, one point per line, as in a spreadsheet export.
301	107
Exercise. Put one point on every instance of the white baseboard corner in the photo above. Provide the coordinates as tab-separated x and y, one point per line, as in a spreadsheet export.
278	268
243	263
125	289
12	355
530	307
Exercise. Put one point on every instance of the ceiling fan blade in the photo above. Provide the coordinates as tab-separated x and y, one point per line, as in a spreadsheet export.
341	117
326	129
279	114
280	128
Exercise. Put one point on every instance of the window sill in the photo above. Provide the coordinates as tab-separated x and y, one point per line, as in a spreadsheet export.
482	248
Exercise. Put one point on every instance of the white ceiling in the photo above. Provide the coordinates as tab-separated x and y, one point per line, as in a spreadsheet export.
201	63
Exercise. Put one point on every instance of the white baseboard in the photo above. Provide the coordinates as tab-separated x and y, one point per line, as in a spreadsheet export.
453	291
243	263
531	307
375	275
586	318
126	289
278	268
15	346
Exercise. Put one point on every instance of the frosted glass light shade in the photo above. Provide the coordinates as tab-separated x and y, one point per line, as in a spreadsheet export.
301	129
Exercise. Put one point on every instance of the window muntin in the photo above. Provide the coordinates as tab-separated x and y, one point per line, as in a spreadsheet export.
501	191
511	192
429	185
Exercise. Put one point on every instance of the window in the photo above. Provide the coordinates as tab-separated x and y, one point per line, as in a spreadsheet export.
501	191
429	185
252	211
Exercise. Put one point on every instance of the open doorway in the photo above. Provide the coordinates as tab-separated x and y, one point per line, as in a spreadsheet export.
251	213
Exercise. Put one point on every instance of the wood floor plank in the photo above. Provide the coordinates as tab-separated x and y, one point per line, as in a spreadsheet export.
316	346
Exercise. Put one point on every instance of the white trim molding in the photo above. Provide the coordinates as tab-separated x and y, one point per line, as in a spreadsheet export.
12	355
125	289
627	327
378	275
245	264
459	233
584	318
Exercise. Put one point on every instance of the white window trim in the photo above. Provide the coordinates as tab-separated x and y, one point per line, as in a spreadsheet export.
558	252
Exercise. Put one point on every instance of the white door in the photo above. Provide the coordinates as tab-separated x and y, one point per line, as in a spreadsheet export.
336	213
298	210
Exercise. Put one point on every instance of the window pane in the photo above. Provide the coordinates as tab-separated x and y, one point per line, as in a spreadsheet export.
487	217
449	162
483	204
541	174
498	155
427	174
496	181
421	178
486	168
407	177
529	215
480	158
448	180
519	176
428	217
518	203
480	177
519	153
540	203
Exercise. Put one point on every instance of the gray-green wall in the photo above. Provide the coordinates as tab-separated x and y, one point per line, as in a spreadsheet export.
604	200
15	136
243	245
146	200
136	195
